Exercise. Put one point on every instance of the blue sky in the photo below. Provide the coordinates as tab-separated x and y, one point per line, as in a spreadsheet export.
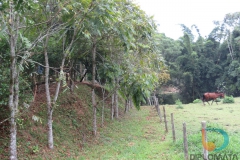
169	13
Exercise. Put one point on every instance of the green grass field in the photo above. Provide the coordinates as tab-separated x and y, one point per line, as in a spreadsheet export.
140	135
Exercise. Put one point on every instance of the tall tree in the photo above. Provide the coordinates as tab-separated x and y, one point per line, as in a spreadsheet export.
12	18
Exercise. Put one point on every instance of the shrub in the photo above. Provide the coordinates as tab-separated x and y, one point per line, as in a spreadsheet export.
179	107
228	99
179	104
218	100
168	98
197	101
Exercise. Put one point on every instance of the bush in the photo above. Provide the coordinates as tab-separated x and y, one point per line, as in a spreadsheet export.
168	98
218	100
197	101
179	107
228	99
179	104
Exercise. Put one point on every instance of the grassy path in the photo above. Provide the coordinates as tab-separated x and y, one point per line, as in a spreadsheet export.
139	135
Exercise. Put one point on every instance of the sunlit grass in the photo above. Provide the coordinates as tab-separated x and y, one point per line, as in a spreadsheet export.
137	136
222	116
140	135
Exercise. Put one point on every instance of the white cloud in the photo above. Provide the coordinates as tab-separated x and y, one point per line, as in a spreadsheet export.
170	13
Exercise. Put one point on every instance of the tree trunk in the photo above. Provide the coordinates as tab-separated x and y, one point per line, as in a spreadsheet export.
60	79
131	104
112	107
116	104
67	75
126	106
35	87
14	83
65	54
149	101
94	105
74	73
80	71
72	78
229	45
116	100
103	105
13	104
48	97
50	105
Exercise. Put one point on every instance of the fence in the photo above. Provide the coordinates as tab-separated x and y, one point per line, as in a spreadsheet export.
203	144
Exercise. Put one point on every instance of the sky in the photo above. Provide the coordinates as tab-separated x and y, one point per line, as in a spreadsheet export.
168	14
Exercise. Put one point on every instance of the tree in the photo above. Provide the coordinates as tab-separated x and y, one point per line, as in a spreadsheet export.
13	19
69	20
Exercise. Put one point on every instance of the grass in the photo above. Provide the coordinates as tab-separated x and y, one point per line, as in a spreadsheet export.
140	135
135	135
222	116
137	139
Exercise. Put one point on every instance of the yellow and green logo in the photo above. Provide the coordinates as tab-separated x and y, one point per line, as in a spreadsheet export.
210	146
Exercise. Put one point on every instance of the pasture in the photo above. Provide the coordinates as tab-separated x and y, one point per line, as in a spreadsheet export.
222	116
139	135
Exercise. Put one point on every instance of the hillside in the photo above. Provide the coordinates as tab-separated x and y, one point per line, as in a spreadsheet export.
72	124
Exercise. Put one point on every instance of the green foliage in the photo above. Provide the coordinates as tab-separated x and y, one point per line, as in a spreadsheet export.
130	51
179	107
197	101
35	149
218	100
20	122
179	104
228	99
187	43
4	71
25	41
138	96
169	98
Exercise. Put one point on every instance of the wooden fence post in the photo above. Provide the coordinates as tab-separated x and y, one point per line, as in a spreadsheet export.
185	144
158	109
205	151
165	119
173	128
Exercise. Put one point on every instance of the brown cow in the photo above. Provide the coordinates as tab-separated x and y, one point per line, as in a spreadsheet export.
212	96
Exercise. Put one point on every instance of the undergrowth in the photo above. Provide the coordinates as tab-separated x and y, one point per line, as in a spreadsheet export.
197	101
179	104
72	126
228	99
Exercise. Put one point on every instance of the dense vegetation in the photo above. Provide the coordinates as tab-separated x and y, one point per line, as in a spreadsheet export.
197	64
112	43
